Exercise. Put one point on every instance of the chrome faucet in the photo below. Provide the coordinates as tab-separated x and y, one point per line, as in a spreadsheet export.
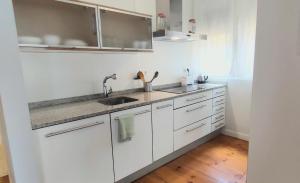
106	93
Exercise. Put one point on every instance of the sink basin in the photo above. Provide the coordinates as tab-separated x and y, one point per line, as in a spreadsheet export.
117	100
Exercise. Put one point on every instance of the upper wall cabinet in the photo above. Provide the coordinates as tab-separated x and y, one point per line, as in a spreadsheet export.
50	23
125	31
65	24
120	4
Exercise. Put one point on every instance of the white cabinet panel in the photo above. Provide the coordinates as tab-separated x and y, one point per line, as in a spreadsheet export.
219	108
218	125
191	114
77	152
119	4
218	117
191	133
136	153
219	100
192	99
162	120
219	92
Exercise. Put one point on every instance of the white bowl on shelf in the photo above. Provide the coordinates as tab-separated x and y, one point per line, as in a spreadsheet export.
52	40
75	42
29	40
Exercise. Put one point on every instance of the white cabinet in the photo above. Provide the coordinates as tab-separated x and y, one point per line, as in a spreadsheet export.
77	152
147	7
119	4
162	120
192	99
133	155
191	114
191	133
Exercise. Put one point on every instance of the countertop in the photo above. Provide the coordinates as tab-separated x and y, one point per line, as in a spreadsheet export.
73	111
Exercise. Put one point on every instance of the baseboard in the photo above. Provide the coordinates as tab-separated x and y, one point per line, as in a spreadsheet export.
236	134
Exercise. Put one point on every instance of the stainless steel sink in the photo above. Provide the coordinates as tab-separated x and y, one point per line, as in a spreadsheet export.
117	100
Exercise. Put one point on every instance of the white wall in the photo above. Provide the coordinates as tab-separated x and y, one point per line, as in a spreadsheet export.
274	139
57	75
17	134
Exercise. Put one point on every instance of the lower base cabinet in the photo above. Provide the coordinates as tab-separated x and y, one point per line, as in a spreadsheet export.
191	133
135	154
77	152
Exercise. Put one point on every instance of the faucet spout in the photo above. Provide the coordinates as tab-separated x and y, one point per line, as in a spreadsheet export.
105	91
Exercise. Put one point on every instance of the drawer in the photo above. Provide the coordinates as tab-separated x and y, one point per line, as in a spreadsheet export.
219	100
218	117
219	92
162	105
191	114
218	125
192	99
191	133
219	108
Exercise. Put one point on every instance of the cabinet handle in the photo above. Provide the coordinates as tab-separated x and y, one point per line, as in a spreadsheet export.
219	117
136	114
164	106
219	93
220	109
190	130
193	99
219	125
191	110
73	129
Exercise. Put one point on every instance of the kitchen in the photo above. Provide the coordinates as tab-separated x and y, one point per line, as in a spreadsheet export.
88	87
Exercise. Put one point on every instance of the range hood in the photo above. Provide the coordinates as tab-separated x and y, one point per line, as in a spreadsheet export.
177	13
174	36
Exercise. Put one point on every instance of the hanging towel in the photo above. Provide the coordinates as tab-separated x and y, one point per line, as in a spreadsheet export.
126	127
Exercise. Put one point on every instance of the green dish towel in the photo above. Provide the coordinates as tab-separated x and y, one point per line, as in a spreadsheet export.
126	127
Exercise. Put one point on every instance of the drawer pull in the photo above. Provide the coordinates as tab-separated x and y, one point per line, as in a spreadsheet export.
190	130
220	109
137	114
164	106
220	117
218	101
191	110
193	99
219	125
72	129
220	92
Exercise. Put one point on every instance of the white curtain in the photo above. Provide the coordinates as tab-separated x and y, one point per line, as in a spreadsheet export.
230	26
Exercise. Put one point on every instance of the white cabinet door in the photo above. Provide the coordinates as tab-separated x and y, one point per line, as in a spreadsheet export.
191	133
119	4
77	152
135	154
162	120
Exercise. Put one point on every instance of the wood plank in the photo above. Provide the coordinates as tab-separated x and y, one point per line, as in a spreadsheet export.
221	160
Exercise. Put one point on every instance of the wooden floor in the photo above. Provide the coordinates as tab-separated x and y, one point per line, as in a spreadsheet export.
4	179
222	160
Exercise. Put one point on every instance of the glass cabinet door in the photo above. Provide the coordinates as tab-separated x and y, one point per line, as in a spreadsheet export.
125	31
56	23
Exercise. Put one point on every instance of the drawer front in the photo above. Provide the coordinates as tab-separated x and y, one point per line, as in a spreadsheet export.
192	99
219	92
218	117
191	133
162	105
219	108
191	114
218	125
219	100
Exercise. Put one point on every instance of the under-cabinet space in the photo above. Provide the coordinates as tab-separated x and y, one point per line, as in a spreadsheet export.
121	30
50	23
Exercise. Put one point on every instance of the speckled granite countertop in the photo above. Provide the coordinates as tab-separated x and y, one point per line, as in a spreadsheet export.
64	113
